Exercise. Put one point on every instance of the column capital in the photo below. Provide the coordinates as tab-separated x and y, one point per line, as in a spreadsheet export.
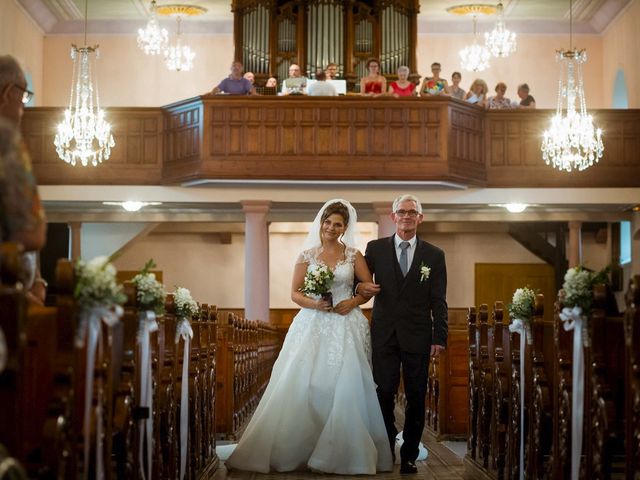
575	224
256	206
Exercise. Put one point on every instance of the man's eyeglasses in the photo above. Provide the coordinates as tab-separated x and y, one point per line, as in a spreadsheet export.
407	213
27	95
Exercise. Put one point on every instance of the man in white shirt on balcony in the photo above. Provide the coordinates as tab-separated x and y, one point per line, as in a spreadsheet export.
321	88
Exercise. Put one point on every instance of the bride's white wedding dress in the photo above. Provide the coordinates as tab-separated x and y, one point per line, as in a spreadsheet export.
320	409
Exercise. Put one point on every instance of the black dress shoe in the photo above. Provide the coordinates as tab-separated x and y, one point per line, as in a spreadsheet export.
408	467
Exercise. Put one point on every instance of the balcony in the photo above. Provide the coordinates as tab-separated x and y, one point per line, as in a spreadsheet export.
212	139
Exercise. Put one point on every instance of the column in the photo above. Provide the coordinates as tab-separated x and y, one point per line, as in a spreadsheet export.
256	255
386	227
75	237
575	243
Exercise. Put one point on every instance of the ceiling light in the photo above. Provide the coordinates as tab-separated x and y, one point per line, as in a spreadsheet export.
572	142
132	205
500	41
153	40
475	57
84	134
512	207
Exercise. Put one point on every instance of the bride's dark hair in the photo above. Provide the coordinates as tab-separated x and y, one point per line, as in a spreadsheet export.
338	208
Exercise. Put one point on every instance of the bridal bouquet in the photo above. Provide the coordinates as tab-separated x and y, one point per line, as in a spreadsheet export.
151	294
96	284
317	281
186	306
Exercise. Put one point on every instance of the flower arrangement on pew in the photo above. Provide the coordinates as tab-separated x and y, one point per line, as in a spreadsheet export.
186	309
318	281
99	299
521	308
151	296
577	298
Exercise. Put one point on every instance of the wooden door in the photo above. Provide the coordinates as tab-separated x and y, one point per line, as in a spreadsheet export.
498	281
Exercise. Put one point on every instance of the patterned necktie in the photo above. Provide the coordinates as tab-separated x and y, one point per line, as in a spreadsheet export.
404	262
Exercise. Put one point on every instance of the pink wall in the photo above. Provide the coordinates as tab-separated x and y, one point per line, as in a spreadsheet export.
21	37
128	77
621	44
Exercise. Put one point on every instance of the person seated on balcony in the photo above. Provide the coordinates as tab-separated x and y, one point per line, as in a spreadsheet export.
434	85
477	93
402	87
455	90
272	82
373	84
332	71
499	101
296	84
526	100
251	77
235	83
321	88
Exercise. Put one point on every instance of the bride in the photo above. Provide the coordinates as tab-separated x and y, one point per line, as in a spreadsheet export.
320	409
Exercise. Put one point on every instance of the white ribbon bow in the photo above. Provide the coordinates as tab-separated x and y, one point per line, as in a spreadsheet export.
573	320
147	323
519	326
90	328
184	331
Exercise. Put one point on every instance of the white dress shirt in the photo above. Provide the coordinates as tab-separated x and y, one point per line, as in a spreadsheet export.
410	250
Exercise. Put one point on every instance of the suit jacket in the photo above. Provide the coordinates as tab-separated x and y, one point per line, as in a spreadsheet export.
414	310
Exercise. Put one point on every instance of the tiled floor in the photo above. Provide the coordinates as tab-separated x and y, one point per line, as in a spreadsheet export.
442	464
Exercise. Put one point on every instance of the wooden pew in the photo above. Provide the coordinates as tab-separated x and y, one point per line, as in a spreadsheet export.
632	379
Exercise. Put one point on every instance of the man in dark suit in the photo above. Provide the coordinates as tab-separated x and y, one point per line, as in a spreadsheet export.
409	321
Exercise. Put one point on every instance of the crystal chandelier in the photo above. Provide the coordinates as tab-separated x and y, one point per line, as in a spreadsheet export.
500	41
475	57
572	141
84	134
152	39
179	57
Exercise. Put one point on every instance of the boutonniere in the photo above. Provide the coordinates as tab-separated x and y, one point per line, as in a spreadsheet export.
425	271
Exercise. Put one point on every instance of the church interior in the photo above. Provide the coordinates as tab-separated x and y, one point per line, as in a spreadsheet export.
220	192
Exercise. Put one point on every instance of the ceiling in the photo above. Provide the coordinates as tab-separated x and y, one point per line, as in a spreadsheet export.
523	16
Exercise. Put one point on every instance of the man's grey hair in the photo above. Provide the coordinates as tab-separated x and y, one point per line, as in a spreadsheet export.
10	71
405	198
404	68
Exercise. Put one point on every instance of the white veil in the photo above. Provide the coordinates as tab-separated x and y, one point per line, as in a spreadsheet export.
348	238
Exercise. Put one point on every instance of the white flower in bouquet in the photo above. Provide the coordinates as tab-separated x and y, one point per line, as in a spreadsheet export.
96	284
522	304
578	286
151	294
186	306
317	280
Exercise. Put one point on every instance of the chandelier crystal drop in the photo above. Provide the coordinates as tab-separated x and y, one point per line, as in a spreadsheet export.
153	40
572	142
475	57
84	135
500	41
179	57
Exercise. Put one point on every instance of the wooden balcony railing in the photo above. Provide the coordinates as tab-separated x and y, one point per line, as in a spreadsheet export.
345	138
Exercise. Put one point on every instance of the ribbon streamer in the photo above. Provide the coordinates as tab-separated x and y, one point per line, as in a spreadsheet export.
573	320
519	326
147	323
184	331
90	328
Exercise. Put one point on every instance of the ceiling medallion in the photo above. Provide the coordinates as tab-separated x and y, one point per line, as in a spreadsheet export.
180	9
473	9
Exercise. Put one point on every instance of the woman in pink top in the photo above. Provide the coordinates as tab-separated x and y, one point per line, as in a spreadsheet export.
402	87
374	83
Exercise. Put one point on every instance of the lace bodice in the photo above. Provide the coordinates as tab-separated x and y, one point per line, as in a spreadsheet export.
342	286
